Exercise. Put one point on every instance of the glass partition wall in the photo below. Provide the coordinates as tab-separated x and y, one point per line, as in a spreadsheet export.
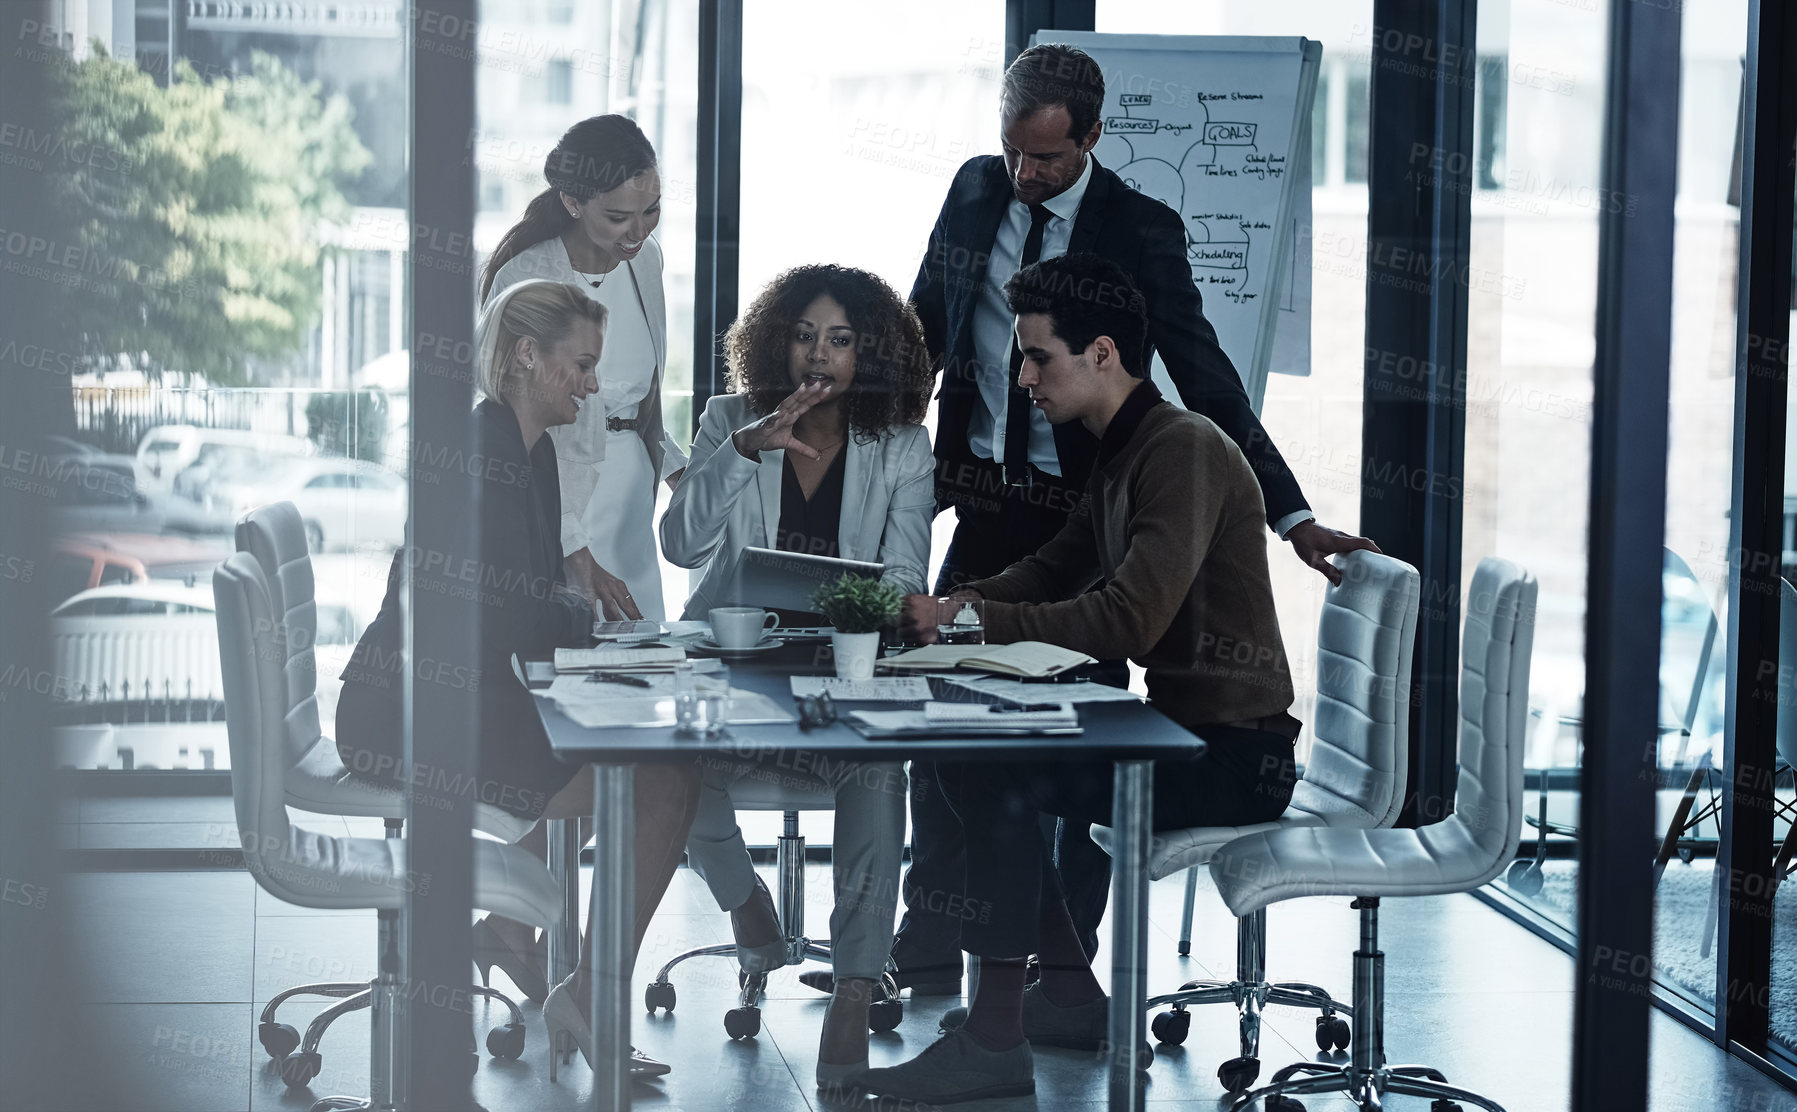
1535	219
249	354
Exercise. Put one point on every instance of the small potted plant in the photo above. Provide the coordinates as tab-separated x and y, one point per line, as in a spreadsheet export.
859	608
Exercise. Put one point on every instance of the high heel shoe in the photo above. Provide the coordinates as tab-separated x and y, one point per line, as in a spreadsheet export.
768	956
525	971
569	1030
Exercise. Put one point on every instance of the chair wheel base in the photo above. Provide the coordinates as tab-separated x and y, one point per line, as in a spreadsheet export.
298	1070
506	1041
742	1023
1333	1033
885	1015
1171	1027
1238	1074
279	1039
659	995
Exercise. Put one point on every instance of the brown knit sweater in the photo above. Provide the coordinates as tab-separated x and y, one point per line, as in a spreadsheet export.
1174	525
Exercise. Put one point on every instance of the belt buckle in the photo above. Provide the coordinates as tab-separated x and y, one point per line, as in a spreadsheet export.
1018	477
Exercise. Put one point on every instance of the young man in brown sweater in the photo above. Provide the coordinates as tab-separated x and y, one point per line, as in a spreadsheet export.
1174	527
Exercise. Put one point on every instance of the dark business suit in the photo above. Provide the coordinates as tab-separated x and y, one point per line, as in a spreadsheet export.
1000	525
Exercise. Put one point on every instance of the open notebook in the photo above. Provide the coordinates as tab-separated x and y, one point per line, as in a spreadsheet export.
1033	659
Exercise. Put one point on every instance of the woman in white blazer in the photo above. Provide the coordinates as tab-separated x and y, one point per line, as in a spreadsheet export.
818	448
592	229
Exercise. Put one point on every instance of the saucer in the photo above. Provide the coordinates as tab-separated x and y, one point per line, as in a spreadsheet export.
708	647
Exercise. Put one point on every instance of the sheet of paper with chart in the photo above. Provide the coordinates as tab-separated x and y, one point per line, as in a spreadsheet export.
1218	129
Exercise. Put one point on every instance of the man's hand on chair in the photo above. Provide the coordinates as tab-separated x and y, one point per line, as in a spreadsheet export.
1315	543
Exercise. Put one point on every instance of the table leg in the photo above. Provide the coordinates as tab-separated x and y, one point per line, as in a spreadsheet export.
1132	802
611	922
564	865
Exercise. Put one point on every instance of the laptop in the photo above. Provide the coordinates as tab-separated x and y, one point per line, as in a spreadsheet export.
776	580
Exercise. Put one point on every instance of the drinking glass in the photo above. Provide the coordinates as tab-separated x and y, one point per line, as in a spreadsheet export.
701	701
960	621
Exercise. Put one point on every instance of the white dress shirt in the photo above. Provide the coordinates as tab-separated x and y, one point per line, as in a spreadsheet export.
993	323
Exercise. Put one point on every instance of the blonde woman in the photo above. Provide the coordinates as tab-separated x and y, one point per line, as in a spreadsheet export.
538	344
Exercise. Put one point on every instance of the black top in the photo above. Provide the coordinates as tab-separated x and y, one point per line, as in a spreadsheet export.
1140	234
811	525
517	573
517	576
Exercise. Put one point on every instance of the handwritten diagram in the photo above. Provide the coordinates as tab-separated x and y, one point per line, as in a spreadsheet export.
1212	169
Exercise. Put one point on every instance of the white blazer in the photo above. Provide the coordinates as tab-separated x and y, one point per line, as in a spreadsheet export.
727	502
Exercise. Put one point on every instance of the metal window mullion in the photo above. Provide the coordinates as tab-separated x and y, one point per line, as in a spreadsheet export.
1631	380
1413	441
718	234
1744	945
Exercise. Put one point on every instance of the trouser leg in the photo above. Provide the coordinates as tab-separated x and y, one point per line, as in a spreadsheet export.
984	544
1008	868
866	847
932	885
1085	871
715	845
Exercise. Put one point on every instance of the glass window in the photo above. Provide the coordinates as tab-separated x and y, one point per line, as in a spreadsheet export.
558	82
847	157
184	418
1535	228
1314	419
639	60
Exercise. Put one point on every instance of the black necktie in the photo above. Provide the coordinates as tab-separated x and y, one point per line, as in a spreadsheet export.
1017	408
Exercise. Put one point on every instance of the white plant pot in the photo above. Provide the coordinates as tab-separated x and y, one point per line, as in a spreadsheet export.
855	654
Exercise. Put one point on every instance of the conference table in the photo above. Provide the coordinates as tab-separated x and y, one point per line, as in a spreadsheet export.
1130	733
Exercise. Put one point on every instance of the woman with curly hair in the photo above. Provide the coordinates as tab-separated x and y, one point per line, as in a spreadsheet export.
819	447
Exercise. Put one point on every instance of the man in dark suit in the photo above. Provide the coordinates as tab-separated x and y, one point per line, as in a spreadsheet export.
1010	476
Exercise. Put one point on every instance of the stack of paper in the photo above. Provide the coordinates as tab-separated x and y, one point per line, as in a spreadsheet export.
616	656
883	689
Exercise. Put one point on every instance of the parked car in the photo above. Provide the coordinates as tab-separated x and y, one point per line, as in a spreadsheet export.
166	452
152	640
79	567
97	492
184	558
345	503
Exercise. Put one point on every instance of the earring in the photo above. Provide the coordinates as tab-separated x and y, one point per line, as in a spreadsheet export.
530	366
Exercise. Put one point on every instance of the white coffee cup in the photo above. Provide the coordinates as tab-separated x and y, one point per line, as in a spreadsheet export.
740	627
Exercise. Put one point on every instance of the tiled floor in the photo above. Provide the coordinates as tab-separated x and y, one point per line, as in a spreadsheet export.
179	964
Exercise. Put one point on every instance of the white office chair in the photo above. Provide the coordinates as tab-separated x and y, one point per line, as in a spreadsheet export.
756	793
1354	778
1468	849
317	781
315	870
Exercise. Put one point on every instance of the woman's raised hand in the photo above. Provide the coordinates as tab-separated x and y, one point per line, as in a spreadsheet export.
774	432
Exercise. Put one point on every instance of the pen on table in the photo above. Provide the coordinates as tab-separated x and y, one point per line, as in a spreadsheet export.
603	677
